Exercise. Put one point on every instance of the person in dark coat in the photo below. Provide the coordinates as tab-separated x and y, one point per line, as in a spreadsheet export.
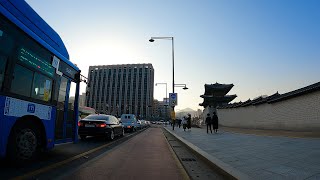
189	121
208	122
179	122
215	122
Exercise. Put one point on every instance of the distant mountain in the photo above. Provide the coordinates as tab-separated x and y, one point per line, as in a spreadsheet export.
185	112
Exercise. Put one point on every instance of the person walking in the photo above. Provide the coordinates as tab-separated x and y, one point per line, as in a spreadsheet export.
189	121
184	123
179	122
208	122
173	123
215	122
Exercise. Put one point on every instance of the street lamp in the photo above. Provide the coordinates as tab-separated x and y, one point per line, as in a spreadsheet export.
181	85
166	89
166	103
168	38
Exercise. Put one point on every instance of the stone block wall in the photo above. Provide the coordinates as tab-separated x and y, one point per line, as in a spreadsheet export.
300	113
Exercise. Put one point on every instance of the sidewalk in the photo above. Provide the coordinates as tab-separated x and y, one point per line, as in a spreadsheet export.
249	156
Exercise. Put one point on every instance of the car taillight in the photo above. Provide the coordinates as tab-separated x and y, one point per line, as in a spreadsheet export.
80	124
101	125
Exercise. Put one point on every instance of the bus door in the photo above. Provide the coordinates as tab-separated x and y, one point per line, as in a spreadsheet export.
65	119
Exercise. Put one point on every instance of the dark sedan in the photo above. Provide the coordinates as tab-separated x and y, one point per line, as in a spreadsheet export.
100	125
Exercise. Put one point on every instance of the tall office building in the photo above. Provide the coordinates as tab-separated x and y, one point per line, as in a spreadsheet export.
119	89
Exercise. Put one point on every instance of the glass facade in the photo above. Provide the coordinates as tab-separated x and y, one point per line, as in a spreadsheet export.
120	89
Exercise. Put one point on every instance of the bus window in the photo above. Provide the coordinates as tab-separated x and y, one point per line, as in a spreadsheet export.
42	87
6	43
22	81
71	113
3	61
60	109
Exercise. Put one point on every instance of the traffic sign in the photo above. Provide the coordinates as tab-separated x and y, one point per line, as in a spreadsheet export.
173	99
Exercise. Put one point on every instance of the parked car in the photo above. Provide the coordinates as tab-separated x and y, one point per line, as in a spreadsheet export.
129	122
144	123
100	125
139	124
148	123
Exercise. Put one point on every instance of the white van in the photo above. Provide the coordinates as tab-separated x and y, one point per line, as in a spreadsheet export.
129	122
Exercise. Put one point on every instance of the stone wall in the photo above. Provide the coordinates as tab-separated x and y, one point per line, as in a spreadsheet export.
301	113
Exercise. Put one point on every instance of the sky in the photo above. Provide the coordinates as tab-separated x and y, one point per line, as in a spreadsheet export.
260	46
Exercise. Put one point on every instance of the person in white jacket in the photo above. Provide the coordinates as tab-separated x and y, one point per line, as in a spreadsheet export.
184	123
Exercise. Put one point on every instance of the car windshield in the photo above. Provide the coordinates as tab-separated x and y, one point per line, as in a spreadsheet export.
97	117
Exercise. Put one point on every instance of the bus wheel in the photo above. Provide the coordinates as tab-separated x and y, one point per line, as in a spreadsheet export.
23	143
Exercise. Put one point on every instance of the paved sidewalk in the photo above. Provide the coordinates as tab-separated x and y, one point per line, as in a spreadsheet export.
256	156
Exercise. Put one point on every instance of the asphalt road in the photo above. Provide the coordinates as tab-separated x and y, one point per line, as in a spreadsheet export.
145	156
62	158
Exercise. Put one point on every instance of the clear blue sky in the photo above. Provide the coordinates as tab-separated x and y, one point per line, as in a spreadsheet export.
261	46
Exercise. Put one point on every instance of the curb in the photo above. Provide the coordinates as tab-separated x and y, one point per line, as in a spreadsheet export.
183	171
226	169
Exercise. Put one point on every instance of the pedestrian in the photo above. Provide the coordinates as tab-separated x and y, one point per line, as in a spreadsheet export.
179	122
189	121
215	122
173	123
184	123
208	122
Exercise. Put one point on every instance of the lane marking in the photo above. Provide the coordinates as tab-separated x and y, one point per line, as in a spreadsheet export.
55	165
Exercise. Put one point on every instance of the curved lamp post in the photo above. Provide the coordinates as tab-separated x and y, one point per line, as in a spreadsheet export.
166	105
168	38
181	85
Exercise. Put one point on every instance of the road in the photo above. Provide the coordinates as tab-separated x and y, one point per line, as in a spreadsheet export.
145	156
62	158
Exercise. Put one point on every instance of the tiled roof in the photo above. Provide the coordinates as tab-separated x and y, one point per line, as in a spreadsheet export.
276	97
246	103
217	87
295	93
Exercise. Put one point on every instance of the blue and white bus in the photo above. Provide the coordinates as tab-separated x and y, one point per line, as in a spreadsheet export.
39	86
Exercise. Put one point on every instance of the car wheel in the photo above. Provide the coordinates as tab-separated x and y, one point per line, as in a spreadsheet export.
111	136
83	137
23	143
